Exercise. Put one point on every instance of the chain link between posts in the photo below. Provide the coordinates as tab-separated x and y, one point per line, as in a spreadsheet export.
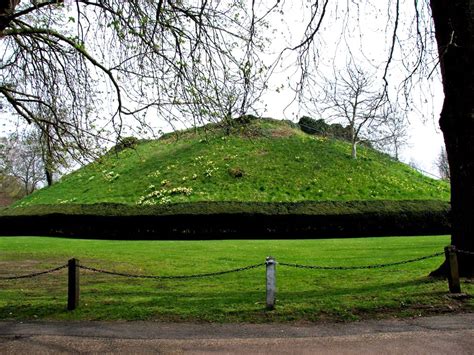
464	252
218	273
171	277
33	274
375	266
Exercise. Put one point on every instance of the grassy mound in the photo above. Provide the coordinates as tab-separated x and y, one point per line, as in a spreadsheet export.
260	160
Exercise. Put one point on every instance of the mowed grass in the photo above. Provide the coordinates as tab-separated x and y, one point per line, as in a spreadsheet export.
303	295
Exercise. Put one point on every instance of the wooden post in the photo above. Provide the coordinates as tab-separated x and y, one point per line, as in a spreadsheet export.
73	284
271	282
453	270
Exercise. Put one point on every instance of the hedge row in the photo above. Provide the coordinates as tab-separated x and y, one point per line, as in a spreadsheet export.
231	220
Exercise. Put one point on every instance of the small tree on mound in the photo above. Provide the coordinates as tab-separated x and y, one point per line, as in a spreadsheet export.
351	99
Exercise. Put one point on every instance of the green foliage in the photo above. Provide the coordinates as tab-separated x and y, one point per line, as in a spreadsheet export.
311	208
303	295
245	119
126	143
321	128
312	126
281	164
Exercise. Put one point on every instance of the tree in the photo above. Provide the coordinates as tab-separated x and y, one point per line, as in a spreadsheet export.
454	32
11	189
54	156
21	157
351	99
443	165
393	134
454	29
109	63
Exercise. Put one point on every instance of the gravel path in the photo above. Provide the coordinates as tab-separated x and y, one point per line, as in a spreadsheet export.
449	334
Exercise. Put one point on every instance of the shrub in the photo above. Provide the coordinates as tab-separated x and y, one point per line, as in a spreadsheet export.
126	143
245	119
312	126
321	128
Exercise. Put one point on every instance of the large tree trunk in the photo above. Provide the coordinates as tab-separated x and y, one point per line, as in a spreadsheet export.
454	26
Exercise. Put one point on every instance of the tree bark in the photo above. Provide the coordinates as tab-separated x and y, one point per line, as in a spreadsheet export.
354	150
454	27
7	7
353	138
49	176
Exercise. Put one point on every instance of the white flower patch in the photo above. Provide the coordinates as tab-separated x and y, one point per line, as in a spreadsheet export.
163	196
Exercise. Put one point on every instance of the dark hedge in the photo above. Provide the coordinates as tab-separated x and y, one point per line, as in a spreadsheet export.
230	220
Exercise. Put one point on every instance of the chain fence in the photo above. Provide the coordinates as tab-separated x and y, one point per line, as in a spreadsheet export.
465	252
33	274
171	277
218	273
74	266
374	266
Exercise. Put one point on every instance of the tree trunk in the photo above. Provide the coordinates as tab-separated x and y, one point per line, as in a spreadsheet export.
454	27
7	7
49	176
354	150
353	138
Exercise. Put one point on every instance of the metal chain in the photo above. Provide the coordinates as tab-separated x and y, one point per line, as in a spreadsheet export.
464	252
376	266
157	277
170	277
34	274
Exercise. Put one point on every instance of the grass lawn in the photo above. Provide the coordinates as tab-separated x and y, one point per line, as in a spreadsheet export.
303	295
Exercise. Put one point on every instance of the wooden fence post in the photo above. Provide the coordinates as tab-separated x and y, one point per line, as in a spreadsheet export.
271	282
453	270
73	284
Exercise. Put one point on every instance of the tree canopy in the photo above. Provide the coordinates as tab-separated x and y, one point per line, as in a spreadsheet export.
83	71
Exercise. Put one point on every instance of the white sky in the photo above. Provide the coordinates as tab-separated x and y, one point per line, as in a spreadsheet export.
369	44
368	40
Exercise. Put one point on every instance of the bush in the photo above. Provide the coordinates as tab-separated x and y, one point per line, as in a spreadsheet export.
321	128
126	143
312	126
245	119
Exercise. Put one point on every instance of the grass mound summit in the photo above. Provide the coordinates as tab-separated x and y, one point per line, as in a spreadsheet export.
260	160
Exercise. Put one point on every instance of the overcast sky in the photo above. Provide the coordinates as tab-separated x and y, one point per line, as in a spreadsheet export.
363	30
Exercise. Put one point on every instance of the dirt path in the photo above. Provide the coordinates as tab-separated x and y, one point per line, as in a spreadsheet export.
450	334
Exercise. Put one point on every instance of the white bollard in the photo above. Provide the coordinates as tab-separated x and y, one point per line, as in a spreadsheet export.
271	282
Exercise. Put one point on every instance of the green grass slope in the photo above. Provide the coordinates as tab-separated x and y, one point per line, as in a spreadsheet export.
261	161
